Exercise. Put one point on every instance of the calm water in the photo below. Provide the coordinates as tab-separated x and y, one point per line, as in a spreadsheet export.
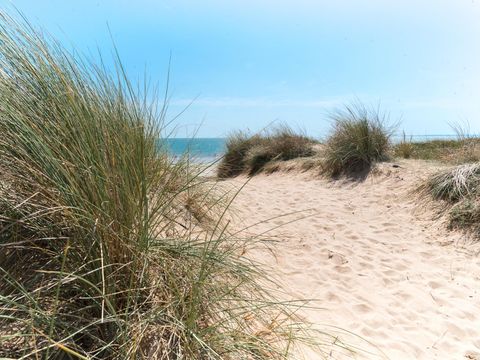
200	149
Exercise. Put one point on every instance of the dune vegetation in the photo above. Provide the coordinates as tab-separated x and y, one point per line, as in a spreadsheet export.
459	189
249	154
360	137
456	151
108	248
464	148
404	149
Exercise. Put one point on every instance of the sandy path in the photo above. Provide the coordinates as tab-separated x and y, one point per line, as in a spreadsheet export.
379	267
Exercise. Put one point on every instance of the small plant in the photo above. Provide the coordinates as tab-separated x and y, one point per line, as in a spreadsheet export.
249	154
404	148
359	138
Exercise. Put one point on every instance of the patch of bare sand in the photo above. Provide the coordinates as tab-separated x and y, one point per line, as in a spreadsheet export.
376	263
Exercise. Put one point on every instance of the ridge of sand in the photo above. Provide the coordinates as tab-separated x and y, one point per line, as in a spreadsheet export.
377	264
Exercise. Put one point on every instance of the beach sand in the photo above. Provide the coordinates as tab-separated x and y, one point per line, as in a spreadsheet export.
375	262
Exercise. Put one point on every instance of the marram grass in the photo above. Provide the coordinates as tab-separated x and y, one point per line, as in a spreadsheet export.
454	184
101	254
249	154
459	189
360	136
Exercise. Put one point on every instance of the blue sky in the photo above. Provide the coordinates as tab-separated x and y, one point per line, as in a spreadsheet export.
250	63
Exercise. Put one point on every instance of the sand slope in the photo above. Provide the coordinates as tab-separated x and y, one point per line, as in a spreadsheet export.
379	266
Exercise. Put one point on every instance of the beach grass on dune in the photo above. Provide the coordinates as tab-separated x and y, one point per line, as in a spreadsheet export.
249	154
459	188
457	183
360	137
105	250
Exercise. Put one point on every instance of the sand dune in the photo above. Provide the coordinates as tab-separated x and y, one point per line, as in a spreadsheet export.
376	263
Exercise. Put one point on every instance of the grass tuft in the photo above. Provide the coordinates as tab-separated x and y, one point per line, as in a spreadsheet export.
455	184
250	154
460	189
359	138
109	249
237	146
405	148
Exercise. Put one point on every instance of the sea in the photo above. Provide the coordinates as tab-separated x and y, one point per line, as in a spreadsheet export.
203	150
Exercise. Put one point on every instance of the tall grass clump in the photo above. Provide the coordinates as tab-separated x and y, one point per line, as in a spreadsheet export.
455	184
104	250
359	138
250	153
459	188
237	146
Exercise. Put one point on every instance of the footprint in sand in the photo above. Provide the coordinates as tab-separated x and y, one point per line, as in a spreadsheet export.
362	308
343	269
434	284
